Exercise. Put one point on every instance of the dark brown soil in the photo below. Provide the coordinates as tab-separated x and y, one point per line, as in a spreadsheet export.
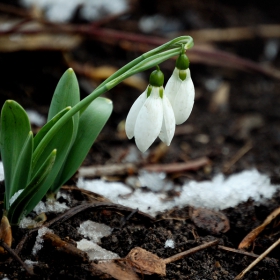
248	122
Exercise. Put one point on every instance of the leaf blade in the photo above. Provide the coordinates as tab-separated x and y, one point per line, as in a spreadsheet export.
33	193
15	127
92	120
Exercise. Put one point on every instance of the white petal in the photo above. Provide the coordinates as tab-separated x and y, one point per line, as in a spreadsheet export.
149	121
168	122
133	113
182	98
173	85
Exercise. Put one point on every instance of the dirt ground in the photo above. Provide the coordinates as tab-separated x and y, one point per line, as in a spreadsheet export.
234	123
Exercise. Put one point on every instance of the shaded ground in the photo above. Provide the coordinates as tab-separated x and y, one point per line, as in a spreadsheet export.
237	132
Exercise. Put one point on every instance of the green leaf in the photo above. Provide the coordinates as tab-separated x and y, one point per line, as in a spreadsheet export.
45	129
61	142
66	94
15	127
21	175
33	193
91	123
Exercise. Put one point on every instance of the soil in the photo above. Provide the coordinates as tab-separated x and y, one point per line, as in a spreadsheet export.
241	132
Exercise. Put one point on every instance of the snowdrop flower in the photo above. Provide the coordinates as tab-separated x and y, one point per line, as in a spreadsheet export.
180	90
151	115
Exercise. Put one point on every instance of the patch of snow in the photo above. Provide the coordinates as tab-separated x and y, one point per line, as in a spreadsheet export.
28	222
154	181
94	251
110	190
63	10
94	231
217	194
169	243
63	195
50	205
39	239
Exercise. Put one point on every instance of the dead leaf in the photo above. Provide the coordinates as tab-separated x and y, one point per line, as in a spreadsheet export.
146	262
210	220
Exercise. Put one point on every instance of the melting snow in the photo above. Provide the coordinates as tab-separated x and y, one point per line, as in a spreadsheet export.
39	239
94	251
218	194
94	231
169	243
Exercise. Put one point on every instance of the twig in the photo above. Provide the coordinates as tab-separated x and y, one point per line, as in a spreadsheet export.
178	167
238	251
16	257
190	251
64	246
106	170
261	257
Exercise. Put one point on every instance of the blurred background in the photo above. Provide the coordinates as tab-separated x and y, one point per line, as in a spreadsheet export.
234	64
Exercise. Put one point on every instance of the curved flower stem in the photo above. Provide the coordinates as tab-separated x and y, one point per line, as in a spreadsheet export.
142	63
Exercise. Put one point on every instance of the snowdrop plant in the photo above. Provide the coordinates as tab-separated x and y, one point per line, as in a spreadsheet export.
156	111
151	115
41	164
180	89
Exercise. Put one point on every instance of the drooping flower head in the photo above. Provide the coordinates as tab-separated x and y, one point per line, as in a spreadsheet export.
180	89
151	115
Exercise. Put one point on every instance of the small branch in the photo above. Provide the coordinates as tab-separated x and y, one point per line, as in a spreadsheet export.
261	257
178	167
228	249
190	251
107	170
64	246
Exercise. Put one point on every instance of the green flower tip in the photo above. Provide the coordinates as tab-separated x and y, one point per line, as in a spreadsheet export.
182	62
156	78
70	70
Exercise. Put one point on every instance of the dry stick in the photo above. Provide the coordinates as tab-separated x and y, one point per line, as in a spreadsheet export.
16	256
178	167
238	251
261	257
190	251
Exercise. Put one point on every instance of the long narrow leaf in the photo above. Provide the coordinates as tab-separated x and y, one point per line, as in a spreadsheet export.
66	94
15	127
61	142
21	174
33	193
45	129
91	123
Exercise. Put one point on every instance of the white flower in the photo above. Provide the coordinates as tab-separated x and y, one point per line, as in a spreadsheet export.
150	117
180	94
